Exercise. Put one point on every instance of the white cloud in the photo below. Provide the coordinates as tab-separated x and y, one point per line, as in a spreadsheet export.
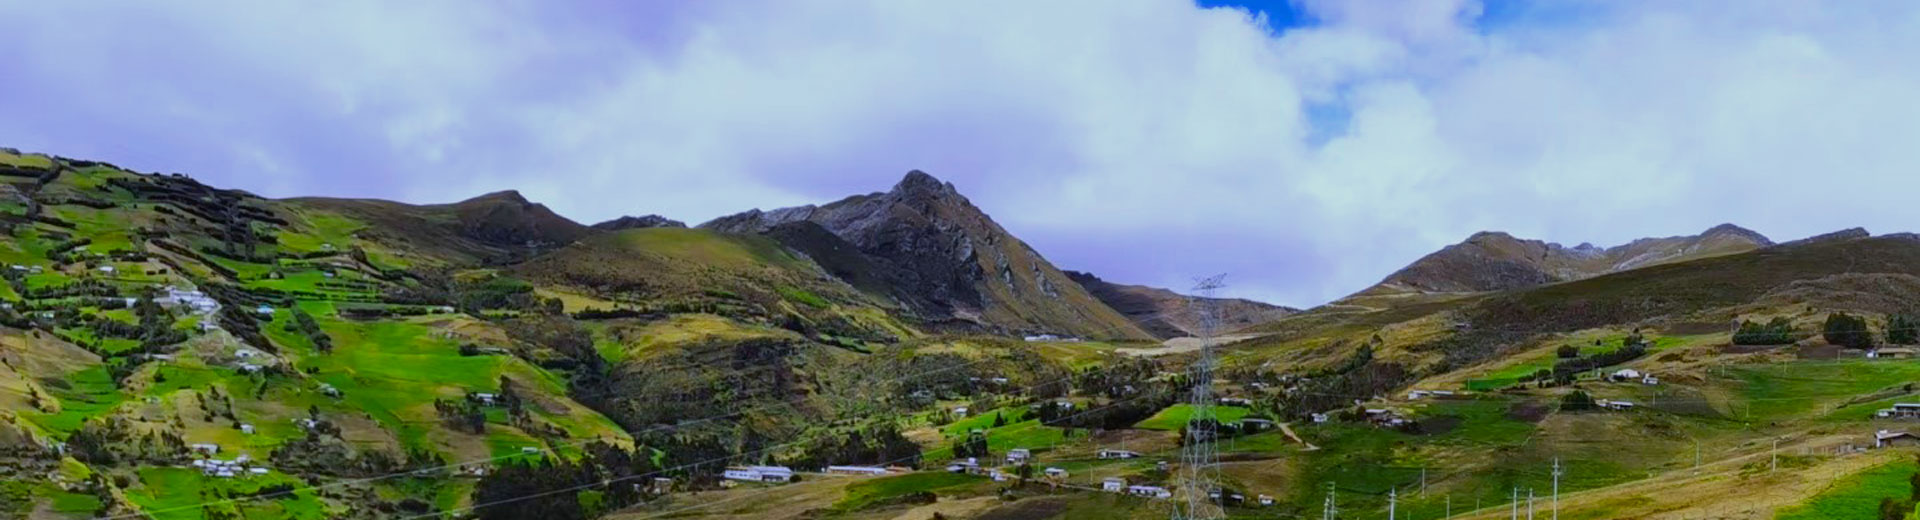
1146	140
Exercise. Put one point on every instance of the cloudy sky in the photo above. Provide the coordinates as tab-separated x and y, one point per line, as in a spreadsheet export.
1305	147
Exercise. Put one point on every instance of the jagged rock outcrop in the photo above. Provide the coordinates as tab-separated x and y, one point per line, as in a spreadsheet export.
924	244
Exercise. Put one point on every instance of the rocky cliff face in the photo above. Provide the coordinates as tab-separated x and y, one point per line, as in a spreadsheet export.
645	222
924	244
1167	314
1494	261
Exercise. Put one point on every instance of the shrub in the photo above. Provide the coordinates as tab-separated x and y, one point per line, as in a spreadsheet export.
1847	331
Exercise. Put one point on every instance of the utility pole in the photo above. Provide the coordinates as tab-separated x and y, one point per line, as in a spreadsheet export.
1775	463
1329	510
1449	505
1393	502
1199	456
1423	481
1515	514
1556	488
1696	457
1529	503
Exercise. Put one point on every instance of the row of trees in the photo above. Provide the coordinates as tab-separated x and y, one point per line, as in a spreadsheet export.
1839	328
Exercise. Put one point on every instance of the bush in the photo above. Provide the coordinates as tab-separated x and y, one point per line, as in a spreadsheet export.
1568	352
1578	400
1778	331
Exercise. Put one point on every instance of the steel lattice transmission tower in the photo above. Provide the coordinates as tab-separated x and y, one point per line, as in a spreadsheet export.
1200	463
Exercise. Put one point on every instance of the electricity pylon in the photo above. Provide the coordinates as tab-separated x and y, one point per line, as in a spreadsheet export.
1200	463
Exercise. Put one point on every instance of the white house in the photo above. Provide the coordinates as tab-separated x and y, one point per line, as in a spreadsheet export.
759	474
1042	337
205	447
1019	455
959	411
246	353
1236	401
1626	374
246	429
1650	380
1319	417
1118	454
1056	472
1113	484
249	368
529	450
106	269
1266	500
484	398
263	309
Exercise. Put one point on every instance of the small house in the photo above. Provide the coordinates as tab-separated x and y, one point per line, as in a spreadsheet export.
529	450
246	428
1254	424
483	398
998	380
258	471
263	309
967	465
1055	472
1117	454
1650	380
204	447
1161	466
1235	401
959	411
1320	417
249	368
1113	484
246	353
997	476
1626	374
1266	500
107	269
1018	456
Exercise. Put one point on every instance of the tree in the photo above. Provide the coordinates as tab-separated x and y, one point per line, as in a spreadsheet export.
1778	331
1568	352
1903	329
1847	331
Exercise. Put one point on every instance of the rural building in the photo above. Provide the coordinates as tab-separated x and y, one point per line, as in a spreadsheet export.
1254	424
1900	411
1892	353
263	309
1042	337
964	466
1019	455
1886	438
1266	500
959	411
775	474
482	398
1319	417
856	470
246	429
1649	380
1149	491
207	448
1056	472
1236	401
1626	374
1615	405
1113	484
1118	454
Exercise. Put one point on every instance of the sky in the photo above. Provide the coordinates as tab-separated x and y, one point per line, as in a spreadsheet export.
1305	147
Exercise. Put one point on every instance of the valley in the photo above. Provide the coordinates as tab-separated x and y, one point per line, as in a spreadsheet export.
173	350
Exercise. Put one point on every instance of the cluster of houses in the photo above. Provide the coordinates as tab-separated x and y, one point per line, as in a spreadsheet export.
236	467
192	299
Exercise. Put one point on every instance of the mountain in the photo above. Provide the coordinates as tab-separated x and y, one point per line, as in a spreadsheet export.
1167	314
493	228
1494	261
632	222
943	258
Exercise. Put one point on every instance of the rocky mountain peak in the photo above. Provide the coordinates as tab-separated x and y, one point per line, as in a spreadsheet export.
917	181
507	196
1730	230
